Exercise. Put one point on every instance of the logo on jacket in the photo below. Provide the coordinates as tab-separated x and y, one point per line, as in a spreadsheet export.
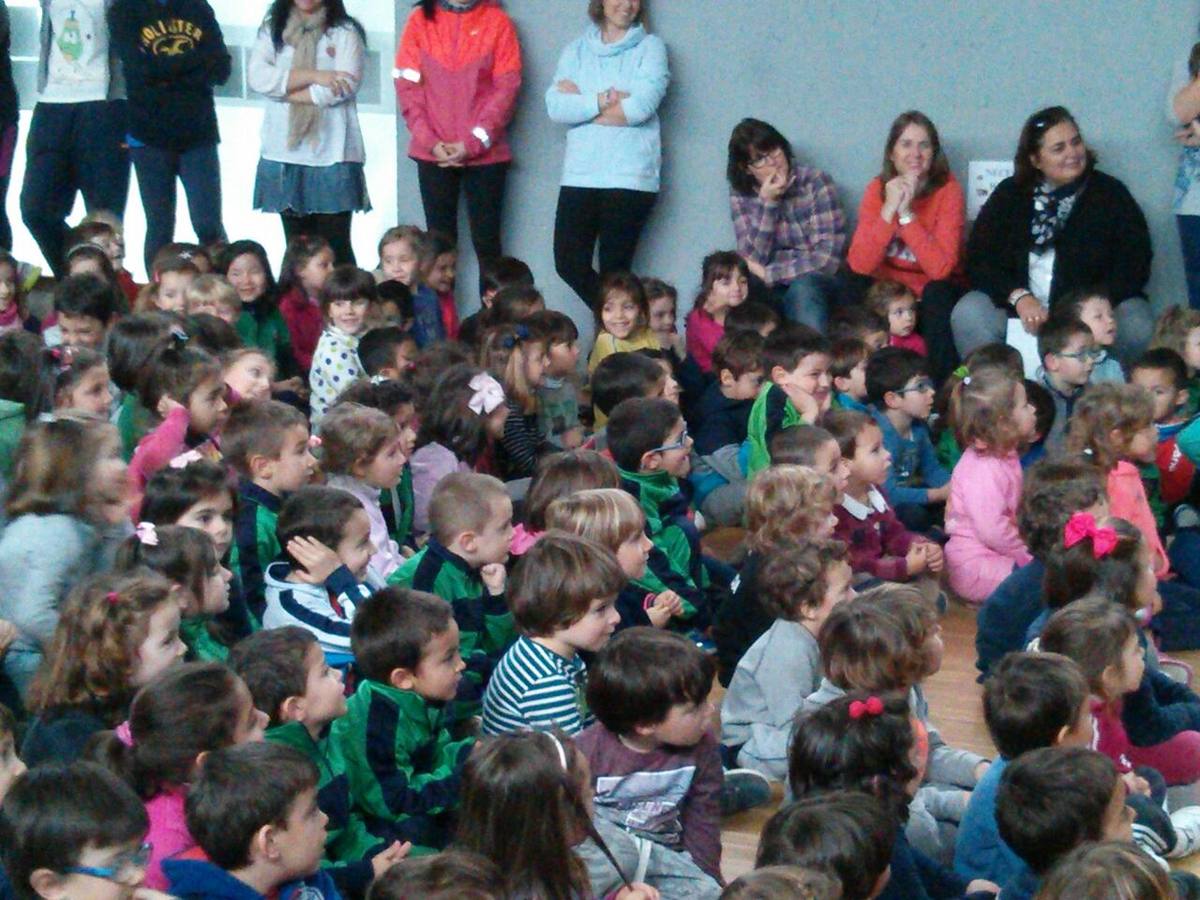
171	37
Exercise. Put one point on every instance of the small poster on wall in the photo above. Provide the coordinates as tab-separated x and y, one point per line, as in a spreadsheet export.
982	177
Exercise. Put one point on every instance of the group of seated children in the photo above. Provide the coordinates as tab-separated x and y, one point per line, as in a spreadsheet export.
310	585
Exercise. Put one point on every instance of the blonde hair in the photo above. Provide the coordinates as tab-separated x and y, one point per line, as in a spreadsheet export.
461	502
1172	328
981	408
882	294
352	435
608	516
1103	409
55	464
213	289
230	357
787	503
502	352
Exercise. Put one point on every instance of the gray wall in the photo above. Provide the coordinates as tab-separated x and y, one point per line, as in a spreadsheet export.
831	75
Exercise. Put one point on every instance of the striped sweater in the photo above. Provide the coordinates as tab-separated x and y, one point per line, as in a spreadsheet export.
534	687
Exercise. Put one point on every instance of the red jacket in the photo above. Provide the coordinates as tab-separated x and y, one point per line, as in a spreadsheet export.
457	78
304	323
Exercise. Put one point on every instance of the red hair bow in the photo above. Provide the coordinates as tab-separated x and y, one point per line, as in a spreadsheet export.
1083	525
872	706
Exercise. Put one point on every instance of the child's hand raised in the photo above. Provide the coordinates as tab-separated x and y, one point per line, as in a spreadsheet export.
167	405
806	404
915	560
1136	784
494	577
319	561
384	860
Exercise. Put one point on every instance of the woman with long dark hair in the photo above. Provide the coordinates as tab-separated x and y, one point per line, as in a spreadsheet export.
910	230
607	89
458	70
1057	225
308	62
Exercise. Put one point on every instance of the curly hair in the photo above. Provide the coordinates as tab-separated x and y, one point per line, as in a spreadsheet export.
1104	409
793	578
785	503
352	435
94	652
981	407
876	641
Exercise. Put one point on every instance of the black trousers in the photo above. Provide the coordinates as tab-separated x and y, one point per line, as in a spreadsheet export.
484	190
614	217
933	322
334	227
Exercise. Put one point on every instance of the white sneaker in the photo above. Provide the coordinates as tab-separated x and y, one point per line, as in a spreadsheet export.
1186	822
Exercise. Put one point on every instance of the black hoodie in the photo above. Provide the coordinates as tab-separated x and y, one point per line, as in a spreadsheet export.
173	54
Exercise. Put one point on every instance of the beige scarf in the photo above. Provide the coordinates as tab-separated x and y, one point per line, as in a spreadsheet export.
302	34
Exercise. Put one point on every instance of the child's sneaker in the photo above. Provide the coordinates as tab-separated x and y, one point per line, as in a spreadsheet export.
745	789
1186	822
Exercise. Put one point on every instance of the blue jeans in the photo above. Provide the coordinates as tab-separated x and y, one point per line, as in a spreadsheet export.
72	147
200	172
807	299
976	321
1189	243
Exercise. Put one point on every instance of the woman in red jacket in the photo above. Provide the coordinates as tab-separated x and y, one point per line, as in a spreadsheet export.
458	70
910	229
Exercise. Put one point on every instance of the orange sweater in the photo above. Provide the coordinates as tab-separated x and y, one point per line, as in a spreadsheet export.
457	78
929	248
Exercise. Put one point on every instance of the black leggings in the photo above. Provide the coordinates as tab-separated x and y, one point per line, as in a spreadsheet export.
334	227
484	190
614	217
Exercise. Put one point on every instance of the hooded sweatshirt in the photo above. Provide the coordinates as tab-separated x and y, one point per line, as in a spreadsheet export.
324	610
600	156
173	54
191	875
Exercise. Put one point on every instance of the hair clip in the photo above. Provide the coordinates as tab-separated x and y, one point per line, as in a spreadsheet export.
183	460
872	706
147	534
314	442
520	333
179	335
961	372
47	418
377	380
487	396
1089	452
1082	525
562	752
113	598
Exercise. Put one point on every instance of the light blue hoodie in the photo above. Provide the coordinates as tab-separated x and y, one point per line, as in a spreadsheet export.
603	156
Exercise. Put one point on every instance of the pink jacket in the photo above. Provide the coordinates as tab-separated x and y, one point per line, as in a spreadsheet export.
457	78
1127	500
981	519
703	334
158	448
168	833
430	464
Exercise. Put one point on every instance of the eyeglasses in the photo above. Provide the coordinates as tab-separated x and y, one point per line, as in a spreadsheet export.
919	388
675	445
761	162
1094	355
126	867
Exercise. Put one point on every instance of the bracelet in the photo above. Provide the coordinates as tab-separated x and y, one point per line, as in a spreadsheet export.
648	602
905	219
1015	297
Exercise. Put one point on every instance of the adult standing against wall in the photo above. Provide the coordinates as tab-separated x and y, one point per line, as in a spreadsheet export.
910	230
1057	225
458	71
789	222
174	55
607	88
76	141
1184	111
9	115
308	62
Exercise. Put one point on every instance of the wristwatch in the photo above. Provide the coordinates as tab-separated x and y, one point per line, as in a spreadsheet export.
1015	297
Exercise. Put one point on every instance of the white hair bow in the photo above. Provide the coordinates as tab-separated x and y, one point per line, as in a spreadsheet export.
487	396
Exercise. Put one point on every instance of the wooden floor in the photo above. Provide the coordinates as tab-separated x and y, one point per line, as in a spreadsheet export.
954	704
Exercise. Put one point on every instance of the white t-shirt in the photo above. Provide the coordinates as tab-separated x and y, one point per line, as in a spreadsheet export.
77	67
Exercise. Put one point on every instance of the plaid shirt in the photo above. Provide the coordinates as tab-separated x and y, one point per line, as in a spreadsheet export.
803	232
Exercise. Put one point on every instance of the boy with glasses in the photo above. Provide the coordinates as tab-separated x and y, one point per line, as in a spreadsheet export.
901	393
1068	352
